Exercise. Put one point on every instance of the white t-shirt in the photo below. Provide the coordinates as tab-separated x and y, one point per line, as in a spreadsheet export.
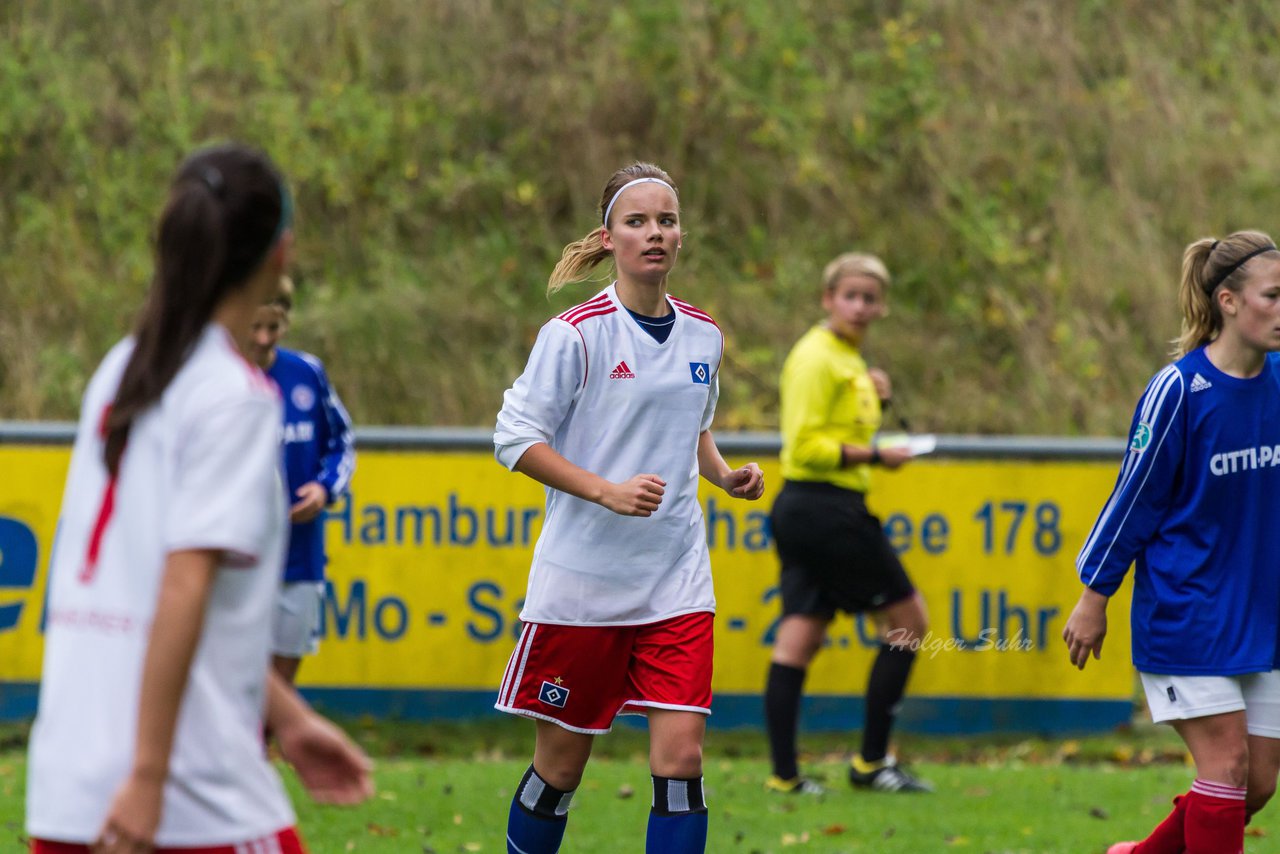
611	399
201	470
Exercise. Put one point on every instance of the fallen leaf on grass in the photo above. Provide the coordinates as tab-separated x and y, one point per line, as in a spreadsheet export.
834	830
457	819
471	846
958	841
381	830
977	792
1099	812
1254	831
625	791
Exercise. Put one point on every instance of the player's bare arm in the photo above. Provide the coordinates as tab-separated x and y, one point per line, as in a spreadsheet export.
745	482
639	496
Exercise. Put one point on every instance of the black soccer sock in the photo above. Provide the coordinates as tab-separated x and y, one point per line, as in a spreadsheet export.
678	817
676	796
782	716
538	815
885	687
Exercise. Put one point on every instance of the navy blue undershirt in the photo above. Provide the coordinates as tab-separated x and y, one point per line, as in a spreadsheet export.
658	327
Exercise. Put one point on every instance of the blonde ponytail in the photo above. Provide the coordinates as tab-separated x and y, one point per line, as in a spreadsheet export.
580	257
577	260
1207	265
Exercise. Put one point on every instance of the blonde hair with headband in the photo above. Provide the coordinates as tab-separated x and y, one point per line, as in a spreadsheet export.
608	209
581	256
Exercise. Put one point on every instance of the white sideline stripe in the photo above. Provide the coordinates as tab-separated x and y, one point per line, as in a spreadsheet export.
511	663
524	660
532	629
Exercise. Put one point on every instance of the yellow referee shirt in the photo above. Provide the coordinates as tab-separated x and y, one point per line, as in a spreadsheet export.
828	400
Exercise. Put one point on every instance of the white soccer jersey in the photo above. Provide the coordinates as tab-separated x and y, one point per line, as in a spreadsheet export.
201	470
611	399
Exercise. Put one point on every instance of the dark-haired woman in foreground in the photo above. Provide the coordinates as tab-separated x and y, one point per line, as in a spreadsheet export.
170	543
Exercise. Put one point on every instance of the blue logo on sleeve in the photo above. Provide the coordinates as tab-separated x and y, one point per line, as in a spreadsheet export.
553	694
18	551
701	373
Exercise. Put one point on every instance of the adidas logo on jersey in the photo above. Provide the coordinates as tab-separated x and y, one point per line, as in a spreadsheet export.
622	372
1199	383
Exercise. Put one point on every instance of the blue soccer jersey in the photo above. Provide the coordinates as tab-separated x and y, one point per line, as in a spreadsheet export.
318	446
1197	507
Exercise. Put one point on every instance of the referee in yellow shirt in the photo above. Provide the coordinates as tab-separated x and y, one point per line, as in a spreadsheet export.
834	553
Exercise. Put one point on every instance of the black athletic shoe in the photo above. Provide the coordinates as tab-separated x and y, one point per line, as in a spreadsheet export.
888	778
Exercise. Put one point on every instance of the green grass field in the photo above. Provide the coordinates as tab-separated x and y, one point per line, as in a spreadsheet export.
446	789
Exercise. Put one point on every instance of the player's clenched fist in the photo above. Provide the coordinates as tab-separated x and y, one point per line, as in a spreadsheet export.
639	496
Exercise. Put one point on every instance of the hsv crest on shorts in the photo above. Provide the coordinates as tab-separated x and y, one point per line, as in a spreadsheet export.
622	372
553	694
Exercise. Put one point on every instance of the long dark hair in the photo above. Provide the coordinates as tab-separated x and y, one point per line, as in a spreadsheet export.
227	208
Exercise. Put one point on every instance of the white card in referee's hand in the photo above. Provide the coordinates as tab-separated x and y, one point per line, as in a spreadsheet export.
924	443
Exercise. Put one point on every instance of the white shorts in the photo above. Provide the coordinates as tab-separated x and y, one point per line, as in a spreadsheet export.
297	619
1179	698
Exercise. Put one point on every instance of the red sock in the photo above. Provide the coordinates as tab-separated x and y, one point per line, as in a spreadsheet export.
1168	836
1214	822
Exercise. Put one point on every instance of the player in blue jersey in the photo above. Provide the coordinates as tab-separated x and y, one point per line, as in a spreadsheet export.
1195	508
319	457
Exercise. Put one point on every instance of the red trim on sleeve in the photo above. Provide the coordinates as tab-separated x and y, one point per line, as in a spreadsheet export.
599	302
598	312
691	310
107	507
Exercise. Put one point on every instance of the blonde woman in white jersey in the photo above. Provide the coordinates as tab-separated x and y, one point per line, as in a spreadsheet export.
613	414
156	681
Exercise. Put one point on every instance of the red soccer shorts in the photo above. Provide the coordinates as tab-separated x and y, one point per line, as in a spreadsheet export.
284	842
582	677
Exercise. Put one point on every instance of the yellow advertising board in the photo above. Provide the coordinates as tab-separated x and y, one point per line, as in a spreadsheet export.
429	555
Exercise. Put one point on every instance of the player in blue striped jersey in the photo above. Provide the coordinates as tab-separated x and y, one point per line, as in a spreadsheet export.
319	459
1196	509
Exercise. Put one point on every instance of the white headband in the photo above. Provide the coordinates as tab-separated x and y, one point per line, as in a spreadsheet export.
628	185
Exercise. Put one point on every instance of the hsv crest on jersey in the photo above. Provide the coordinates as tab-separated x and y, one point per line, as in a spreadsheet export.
1199	383
622	372
1141	437
700	372
303	398
553	694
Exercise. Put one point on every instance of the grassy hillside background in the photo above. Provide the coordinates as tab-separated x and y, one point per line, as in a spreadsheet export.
1029	170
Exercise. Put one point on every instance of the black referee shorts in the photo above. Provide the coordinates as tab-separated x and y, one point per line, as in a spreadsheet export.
834	553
